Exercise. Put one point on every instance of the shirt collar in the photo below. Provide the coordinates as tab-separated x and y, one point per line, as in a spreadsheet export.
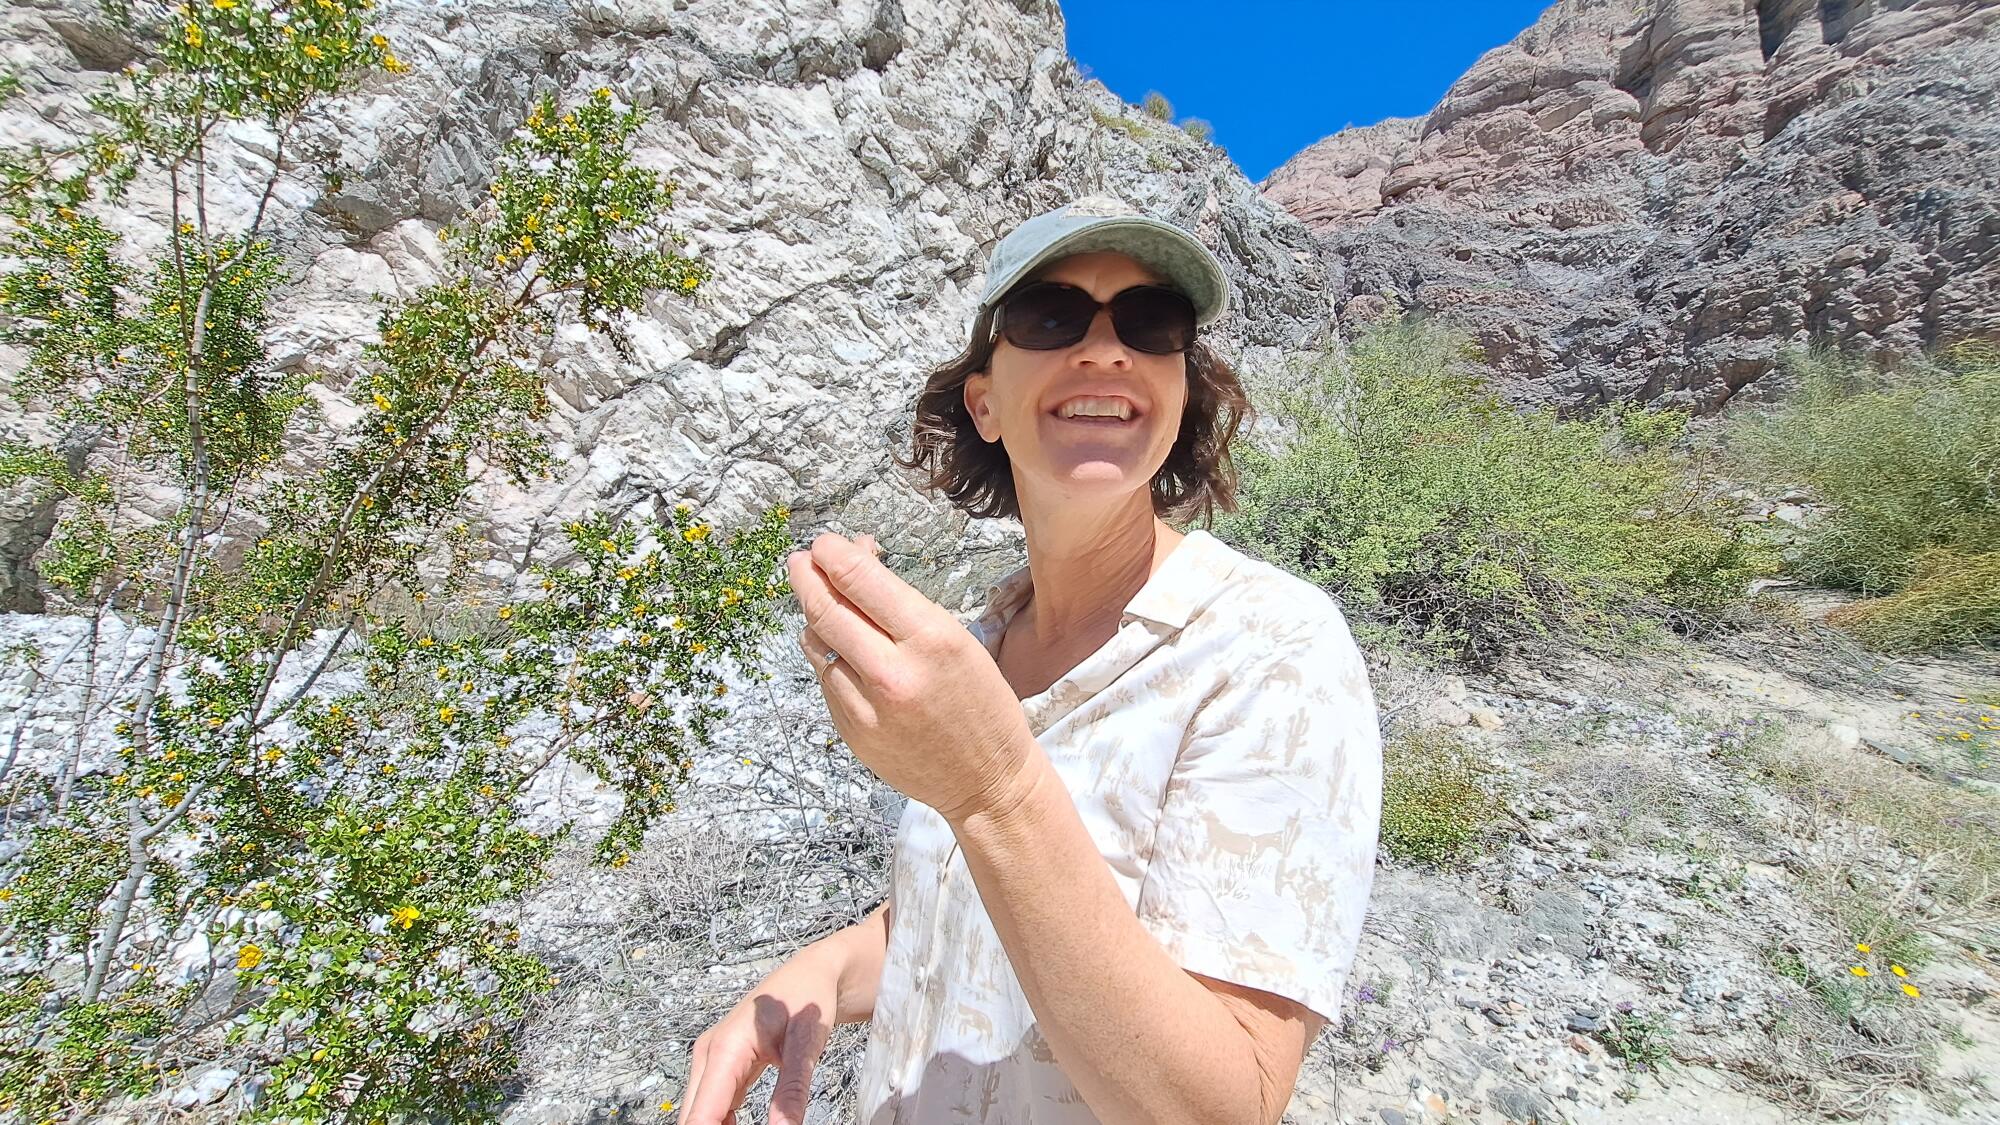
1190	577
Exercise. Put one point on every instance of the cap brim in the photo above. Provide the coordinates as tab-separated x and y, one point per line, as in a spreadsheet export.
1161	247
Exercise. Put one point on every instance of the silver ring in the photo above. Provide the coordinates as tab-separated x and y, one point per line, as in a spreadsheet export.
830	657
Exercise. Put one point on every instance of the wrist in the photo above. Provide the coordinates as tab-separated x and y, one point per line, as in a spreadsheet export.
1009	799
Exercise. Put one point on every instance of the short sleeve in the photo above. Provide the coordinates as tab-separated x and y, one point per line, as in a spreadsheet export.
1265	851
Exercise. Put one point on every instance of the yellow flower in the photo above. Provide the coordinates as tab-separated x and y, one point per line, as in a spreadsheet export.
446	713
404	916
696	533
607	544
698	647
1863	947
388	769
628	574
622	860
1911	990
1858	970
249	957
367	501
603	92
193	35
225	5
1899	970
690	283
312	52
380	43
381	402
527	244
506	612
425	642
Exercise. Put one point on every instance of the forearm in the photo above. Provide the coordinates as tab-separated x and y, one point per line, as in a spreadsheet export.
855	956
1142	1040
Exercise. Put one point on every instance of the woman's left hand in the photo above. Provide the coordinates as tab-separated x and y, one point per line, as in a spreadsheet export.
914	693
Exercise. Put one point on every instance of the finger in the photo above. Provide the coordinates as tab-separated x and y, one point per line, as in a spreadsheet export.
895	606
804	1040
837	620
724	1081
694	1080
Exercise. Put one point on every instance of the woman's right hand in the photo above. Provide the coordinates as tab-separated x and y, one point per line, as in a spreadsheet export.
784	1022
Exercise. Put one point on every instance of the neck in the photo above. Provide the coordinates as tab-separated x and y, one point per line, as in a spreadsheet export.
1087	564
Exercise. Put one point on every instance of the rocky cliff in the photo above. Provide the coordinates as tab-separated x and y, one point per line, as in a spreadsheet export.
845	165
1653	199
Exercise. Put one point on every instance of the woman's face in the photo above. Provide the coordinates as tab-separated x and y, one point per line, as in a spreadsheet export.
1018	399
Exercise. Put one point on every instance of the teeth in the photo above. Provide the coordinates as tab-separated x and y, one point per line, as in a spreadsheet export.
1097	408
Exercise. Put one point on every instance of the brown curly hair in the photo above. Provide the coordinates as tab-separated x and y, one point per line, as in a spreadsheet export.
977	476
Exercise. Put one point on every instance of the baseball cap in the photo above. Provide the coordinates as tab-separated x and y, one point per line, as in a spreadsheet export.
1103	222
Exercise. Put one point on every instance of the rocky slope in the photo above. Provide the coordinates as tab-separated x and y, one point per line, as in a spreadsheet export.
1652	199
845	166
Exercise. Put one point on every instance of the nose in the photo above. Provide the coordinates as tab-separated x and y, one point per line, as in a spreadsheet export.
1101	344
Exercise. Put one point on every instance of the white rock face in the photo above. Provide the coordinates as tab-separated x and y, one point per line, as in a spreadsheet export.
845	166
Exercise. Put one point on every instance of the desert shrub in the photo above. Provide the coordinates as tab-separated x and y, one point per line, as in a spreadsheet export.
1156	106
1199	129
1907	461
304	861
1408	488
1950	599
1435	803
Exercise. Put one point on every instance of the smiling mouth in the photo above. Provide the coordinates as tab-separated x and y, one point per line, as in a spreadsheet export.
1097	421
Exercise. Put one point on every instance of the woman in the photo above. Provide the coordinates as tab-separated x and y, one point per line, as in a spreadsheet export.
1144	786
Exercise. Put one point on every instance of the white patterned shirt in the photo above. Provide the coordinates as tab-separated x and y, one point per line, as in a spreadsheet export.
1223	751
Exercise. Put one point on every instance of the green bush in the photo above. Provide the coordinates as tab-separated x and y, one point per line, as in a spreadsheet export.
1156	106
1434	800
1906	458
343	863
1414	493
1951	599
1199	129
1908	462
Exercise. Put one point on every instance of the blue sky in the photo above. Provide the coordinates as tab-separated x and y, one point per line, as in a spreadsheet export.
1273	76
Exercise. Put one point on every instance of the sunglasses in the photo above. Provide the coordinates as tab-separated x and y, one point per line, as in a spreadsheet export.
1048	315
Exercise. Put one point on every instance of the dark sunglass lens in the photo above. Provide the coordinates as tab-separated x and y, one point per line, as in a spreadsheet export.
1041	317
1154	320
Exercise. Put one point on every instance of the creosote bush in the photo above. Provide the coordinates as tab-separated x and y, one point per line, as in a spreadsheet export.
1907	460
1432	509
1435	802
304	865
